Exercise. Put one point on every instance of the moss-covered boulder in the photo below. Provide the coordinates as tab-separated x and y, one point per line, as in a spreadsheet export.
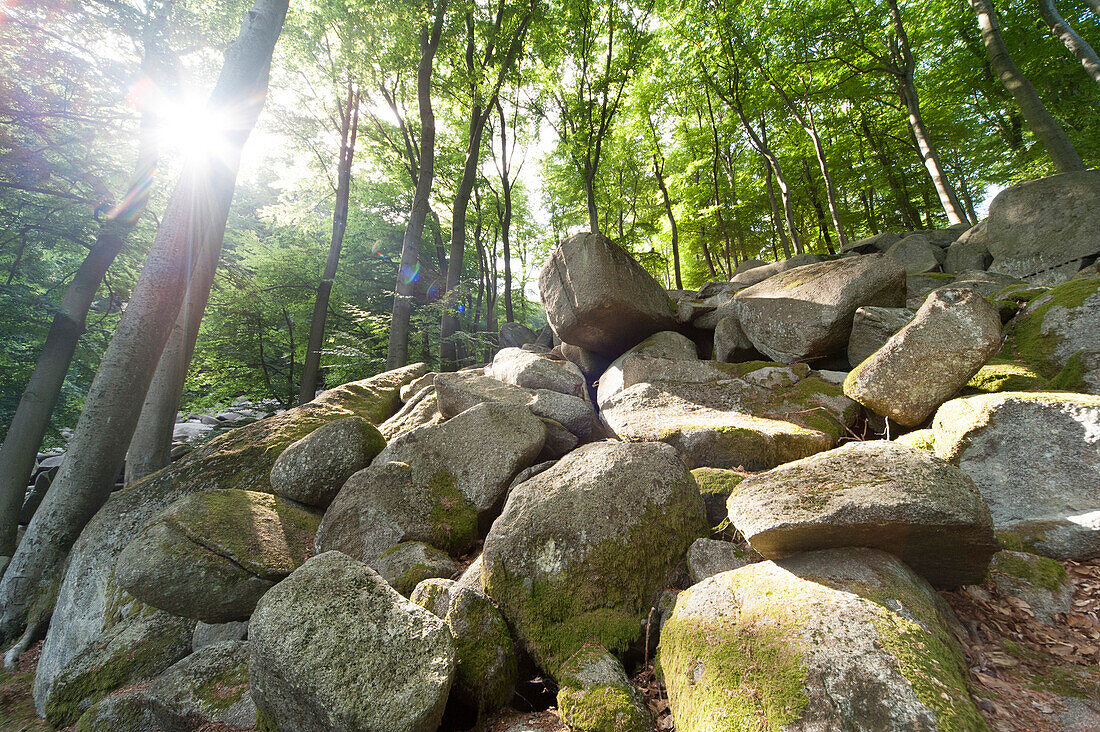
242	458
1000	374
924	439
441	485
583	548
929	360
212	555
878	494
420	409
806	312
409	563
716	485
1053	328
595	695
487	670
313	469
839	639
752	415
1036	459
333	646
209	687
666	345
1039	581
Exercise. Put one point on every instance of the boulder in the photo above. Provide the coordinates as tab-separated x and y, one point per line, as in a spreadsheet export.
487	666
708	557
918	286
565	562
209	688
313	469
716	485
595	694
806	312
409	563
335	647
409	390
970	251
730	342
916	254
759	274
877	494
536	371
207	634
872	327
1039	581
597	297
590	363
1044	223
666	344
842	639
929	360
699	310
441	485
420	410
212	555
877	243
514	335
746	265
1036	459
1055	326
753	415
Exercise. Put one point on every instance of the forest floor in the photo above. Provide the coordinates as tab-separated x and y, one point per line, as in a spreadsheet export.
1027	676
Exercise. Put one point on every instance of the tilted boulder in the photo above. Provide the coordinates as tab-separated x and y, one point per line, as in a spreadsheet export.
1044	223
970	251
583	548
806	313
1035	457
877	494
666	344
537	371
730	342
421	409
313	469
597	297
1054	327
929	360
917	254
441	485
877	243
871	328
844	639
335	647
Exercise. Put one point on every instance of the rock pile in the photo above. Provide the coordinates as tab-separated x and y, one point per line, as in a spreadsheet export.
404	552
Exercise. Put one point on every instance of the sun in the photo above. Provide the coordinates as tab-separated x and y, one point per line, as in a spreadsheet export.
192	129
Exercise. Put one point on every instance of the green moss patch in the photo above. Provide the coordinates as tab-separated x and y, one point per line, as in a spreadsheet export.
1032	568
453	517
1028	343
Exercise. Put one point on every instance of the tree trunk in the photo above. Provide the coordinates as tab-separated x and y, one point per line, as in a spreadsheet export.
32	416
397	354
506	218
660	173
818	210
1046	128
1076	45
196	213
761	143
590	200
349	128
777	221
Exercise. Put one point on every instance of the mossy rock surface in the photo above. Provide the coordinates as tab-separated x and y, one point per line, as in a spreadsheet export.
408	564
595	695
835	639
313	469
1041	582
920	439
583	548
1055	326
716	485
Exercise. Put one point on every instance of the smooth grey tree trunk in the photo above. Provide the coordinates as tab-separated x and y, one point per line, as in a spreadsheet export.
1062	30
1050	134
196	213
777	220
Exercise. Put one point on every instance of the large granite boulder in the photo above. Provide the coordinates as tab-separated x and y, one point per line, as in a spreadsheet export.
313	469
970	251
420	410
841	639
335	647
806	313
929	360
514	335
597	297
917	254
90	603
1044	223
1054	327
212	555
754	415
878	494
754	275
584	547
487	665
594	693
666	344
537	371
1035	457
441	485
871	328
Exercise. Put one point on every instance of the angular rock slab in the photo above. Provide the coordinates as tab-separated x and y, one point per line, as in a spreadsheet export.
537	371
806	313
441	485
754	275
1044	223
313	469
752	415
916	254
841	639
211	556
594	693
1035	456
597	297
335	647
666	345
929	360
90	602
877	494
871	328
565	561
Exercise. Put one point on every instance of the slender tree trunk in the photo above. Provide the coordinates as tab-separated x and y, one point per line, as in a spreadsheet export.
761	143
811	188
349	129
660	173
777	221
32	415
398	352
506	218
1046	128
196	213
830	189
590	201
1076	45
